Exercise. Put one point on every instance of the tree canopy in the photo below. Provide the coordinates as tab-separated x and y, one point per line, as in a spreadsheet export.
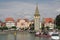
14	27
57	21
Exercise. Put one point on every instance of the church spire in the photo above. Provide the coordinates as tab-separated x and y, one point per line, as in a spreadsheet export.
36	11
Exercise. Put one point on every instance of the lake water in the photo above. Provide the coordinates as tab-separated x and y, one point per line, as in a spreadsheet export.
21	36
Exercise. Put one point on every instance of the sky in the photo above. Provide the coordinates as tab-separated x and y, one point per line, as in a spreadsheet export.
26	8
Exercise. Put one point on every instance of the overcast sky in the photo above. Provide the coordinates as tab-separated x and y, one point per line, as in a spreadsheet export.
26	8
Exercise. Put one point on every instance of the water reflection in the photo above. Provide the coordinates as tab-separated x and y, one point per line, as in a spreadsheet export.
10	37
3	37
21	36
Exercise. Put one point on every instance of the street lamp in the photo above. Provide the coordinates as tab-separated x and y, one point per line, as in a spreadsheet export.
15	34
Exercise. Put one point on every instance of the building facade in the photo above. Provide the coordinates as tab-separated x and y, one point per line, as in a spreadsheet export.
22	23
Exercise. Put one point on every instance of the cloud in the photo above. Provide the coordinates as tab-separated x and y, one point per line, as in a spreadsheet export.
17	9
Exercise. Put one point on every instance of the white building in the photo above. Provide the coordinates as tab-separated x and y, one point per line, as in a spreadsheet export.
50	25
9	22
49	22
22	23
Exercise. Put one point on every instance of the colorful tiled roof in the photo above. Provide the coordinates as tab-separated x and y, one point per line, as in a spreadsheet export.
9	19
26	20
47	20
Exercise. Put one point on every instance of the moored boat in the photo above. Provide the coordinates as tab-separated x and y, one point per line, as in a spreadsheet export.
38	34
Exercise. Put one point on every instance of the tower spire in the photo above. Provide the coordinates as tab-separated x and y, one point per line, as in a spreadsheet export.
37	11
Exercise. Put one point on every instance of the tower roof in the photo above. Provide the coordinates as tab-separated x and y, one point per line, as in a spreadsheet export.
37	11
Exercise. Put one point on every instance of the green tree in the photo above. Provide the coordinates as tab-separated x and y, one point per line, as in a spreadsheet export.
32	26
14	27
57	21
47	27
5	28
1	28
42	28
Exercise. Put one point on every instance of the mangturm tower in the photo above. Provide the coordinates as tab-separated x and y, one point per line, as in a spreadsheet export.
36	19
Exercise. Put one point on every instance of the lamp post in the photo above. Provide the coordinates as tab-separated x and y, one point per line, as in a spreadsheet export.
15	33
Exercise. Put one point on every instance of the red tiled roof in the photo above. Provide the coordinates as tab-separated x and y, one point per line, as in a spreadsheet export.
9	19
47	20
18	20
27	20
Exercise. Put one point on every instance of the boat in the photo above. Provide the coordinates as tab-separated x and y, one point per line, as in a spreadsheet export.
38	34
